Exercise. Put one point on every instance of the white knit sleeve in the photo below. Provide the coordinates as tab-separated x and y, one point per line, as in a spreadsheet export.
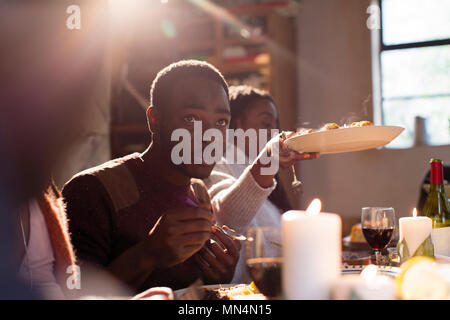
235	201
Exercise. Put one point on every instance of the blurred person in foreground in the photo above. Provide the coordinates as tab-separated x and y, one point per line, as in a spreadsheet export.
138	217
243	197
47	72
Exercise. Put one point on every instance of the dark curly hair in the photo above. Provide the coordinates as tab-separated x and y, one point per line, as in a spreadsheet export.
240	99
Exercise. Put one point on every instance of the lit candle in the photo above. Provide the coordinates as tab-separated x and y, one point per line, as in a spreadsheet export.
413	231
311	252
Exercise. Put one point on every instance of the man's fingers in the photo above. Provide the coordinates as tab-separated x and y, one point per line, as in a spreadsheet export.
205	206
191	213
205	268
226	241
198	225
195	238
212	260
221	255
238	245
190	251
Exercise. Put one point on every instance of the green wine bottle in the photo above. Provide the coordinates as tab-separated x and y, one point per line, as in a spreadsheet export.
437	208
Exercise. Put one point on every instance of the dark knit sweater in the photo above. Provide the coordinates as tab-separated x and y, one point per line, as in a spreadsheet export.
113	206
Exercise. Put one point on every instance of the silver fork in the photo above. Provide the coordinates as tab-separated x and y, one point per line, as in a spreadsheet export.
233	234
297	185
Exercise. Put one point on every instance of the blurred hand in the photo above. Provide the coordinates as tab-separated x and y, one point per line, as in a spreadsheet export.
157	293
218	258
178	234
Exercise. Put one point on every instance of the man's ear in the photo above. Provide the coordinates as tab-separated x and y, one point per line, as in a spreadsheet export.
153	119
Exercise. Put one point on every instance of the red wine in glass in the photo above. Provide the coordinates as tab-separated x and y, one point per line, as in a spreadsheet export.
378	238
378	225
266	273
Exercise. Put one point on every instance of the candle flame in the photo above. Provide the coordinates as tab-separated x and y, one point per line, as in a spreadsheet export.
314	207
415	212
369	273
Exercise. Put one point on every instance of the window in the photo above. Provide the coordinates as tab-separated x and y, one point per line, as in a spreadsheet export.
415	68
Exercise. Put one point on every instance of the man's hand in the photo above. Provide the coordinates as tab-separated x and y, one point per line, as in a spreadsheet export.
218	258
178	234
157	293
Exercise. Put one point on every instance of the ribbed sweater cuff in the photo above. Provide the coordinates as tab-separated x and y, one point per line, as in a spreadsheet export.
239	206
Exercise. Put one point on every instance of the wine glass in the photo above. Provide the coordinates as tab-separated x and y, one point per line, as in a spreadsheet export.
264	259
378	227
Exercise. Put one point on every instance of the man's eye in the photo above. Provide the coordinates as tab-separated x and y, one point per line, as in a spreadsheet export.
222	122
189	118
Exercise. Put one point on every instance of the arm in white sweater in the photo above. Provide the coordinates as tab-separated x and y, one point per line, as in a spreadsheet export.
235	201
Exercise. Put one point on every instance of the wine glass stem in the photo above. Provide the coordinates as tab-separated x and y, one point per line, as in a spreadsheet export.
377	257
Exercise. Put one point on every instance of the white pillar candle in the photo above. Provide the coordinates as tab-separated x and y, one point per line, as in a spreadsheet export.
311	253
414	230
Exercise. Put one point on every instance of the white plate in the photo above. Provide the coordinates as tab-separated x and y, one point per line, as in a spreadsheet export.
344	139
346	269
384	270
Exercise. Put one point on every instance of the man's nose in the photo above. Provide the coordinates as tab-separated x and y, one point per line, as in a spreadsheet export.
207	125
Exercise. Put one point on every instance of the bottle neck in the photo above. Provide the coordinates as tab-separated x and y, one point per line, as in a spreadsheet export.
436	173
437	187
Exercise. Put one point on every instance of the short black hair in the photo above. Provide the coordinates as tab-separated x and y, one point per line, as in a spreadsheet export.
165	78
240	99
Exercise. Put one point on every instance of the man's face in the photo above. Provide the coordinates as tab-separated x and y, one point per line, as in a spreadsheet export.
195	99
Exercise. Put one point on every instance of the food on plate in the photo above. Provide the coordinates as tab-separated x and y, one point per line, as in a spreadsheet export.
356	235
329	126
237	292
364	123
303	131
332	126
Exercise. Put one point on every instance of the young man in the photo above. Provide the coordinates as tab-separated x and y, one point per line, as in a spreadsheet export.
130	215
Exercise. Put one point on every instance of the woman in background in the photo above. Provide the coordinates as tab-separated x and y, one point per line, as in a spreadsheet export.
240	195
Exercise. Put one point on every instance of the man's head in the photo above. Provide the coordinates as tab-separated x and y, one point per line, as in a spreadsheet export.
184	92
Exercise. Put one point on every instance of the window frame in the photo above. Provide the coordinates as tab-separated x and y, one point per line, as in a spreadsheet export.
378	47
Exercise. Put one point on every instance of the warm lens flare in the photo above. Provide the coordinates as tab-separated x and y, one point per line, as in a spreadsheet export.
415	212
314	207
